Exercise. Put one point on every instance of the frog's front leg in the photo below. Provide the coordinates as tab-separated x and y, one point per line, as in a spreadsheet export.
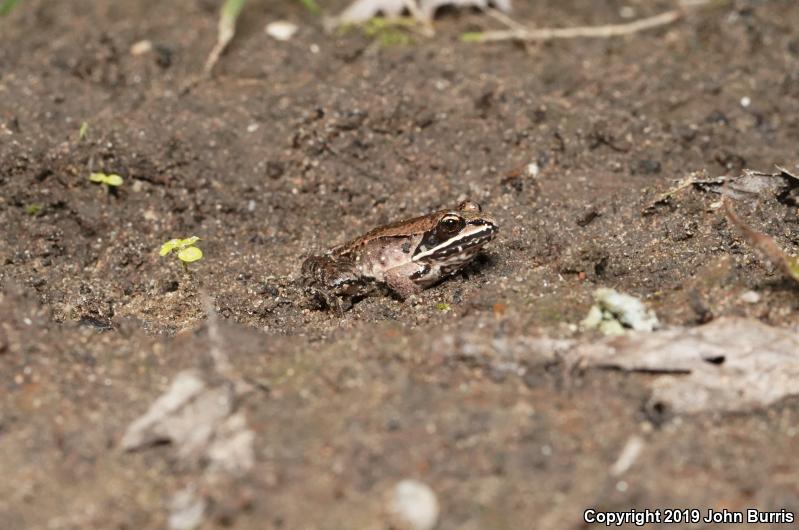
333	283
400	279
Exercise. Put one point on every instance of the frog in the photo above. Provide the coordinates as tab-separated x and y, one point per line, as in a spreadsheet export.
400	258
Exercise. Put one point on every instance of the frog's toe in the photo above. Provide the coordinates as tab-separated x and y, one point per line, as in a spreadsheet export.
318	298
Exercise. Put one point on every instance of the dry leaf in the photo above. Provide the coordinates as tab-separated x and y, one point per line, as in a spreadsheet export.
362	10
199	421
730	364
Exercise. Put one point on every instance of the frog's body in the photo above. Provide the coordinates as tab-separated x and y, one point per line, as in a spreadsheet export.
406	256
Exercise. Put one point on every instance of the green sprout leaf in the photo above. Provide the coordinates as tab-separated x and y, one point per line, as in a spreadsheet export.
231	10
311	6
108	180
442	306
184	249
84	128
190	254
389	32
792	264
472	36
169	246
188	241
178	244
6	6
34	209
114	180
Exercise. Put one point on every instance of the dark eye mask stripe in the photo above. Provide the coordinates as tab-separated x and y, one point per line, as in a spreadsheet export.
458	244
462	246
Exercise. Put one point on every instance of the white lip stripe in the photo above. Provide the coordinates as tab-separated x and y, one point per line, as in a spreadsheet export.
450	242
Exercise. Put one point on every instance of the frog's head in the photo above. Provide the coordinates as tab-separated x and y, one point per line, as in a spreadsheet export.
456	237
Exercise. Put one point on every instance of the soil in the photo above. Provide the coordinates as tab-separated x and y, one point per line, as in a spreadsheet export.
294	146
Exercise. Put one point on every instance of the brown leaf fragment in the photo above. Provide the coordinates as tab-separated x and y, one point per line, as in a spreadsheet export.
785	173
696	180
730	364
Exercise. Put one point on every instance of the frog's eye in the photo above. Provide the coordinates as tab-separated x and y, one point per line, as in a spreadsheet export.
451	223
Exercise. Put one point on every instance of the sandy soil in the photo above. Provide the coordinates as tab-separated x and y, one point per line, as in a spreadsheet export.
295	146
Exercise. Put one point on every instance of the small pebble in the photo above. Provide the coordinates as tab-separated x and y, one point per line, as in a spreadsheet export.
629	454
750	297
281	30
746	101
414	505
141	47
251	128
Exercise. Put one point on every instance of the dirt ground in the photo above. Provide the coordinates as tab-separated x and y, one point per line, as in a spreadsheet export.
294	146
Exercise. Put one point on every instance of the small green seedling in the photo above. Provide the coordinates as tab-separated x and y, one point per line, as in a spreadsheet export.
84	128
33	209
389	31
6	6
472	36
109	181
443	307
311	6
184	249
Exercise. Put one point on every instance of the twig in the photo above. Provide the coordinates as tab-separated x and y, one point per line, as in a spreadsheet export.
764	243
427	28
694	179
226	30
502	18
611	30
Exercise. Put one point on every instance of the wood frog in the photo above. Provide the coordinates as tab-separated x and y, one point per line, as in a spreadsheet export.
405	256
